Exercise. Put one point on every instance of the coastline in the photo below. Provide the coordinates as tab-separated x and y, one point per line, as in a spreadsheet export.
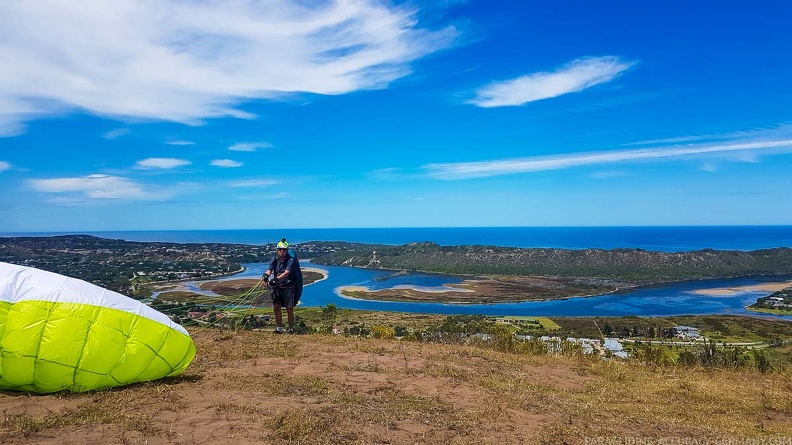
424	295
481	290
321	272
728	291
208	284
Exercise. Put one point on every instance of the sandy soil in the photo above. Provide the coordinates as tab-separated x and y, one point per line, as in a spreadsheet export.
725	291
497	289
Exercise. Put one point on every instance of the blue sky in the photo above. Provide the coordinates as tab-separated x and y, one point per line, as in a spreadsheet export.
151	115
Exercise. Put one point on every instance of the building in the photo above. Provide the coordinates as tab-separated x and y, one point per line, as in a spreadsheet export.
687	332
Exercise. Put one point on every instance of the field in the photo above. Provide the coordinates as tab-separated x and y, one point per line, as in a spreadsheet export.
248	387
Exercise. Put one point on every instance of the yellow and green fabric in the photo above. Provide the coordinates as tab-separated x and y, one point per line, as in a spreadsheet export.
59	333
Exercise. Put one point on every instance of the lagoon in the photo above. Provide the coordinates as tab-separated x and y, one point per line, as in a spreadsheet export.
679	298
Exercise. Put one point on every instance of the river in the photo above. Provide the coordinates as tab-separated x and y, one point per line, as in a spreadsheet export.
678	298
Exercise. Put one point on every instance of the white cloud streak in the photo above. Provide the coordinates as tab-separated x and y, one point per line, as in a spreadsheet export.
465	170
189	60
115	134
249	146
254	183
92	187
180	143
162	163
226	163
4	166
571	78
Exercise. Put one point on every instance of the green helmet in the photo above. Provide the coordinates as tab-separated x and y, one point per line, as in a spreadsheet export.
283	244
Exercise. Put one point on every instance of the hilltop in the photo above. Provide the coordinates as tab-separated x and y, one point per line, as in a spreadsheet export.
251	387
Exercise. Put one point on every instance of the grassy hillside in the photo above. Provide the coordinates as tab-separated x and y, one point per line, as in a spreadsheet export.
250	387
636	265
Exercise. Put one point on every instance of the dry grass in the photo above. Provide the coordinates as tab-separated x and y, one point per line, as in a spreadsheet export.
257	387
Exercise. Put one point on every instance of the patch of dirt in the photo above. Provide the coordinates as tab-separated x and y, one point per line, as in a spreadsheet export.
259	387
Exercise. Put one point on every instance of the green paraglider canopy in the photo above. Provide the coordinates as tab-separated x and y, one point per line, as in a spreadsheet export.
59	333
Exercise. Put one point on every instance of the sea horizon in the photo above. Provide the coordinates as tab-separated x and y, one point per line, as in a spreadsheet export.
657	238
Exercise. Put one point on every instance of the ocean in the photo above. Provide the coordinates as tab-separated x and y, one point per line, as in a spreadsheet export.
665	239
660	300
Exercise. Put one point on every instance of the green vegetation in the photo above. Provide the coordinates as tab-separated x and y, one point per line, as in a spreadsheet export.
776	303
127	267
636	266
124	266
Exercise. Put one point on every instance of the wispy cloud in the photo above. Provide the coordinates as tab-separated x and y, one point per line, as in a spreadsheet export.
180	143
249	146
254	183
189	60
163	163
385	174
782	130
571	78
608	174
466	170
226	163
92	187
4	166
115	134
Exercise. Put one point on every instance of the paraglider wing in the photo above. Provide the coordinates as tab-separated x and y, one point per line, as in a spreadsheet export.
59	333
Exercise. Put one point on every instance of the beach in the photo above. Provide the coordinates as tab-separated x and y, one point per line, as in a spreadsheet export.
727	291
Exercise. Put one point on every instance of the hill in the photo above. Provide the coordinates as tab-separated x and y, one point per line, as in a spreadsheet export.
128	266
635	265
252	387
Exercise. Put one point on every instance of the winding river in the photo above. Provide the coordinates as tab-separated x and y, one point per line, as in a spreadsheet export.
681	298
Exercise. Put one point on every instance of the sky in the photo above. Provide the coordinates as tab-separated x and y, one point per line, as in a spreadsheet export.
241	114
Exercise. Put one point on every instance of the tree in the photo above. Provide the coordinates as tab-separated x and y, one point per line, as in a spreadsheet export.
329	312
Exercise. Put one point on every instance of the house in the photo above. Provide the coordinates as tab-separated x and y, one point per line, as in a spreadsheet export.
776	301
616	348
687	332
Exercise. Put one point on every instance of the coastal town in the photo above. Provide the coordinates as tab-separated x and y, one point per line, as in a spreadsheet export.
124	266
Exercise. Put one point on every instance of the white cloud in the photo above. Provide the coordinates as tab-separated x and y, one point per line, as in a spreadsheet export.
254	183
781	130
4	166
249	146
571	78
188	60
608	174
228	163
180	143
709	167
465	170
92	186
164	163
115	134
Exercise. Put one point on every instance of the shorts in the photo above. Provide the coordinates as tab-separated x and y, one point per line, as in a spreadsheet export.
284	297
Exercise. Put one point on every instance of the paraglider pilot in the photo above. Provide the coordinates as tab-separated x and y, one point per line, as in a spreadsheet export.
285	275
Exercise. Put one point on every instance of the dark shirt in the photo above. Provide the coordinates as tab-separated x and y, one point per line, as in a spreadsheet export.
289	263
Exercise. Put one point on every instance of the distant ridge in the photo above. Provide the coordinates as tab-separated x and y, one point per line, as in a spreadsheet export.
637	265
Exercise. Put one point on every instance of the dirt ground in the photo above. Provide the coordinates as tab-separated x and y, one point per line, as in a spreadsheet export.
259	387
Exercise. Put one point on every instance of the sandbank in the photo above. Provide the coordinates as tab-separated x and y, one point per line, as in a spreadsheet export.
726	291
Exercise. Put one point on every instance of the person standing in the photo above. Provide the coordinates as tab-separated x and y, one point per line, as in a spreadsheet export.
284	274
